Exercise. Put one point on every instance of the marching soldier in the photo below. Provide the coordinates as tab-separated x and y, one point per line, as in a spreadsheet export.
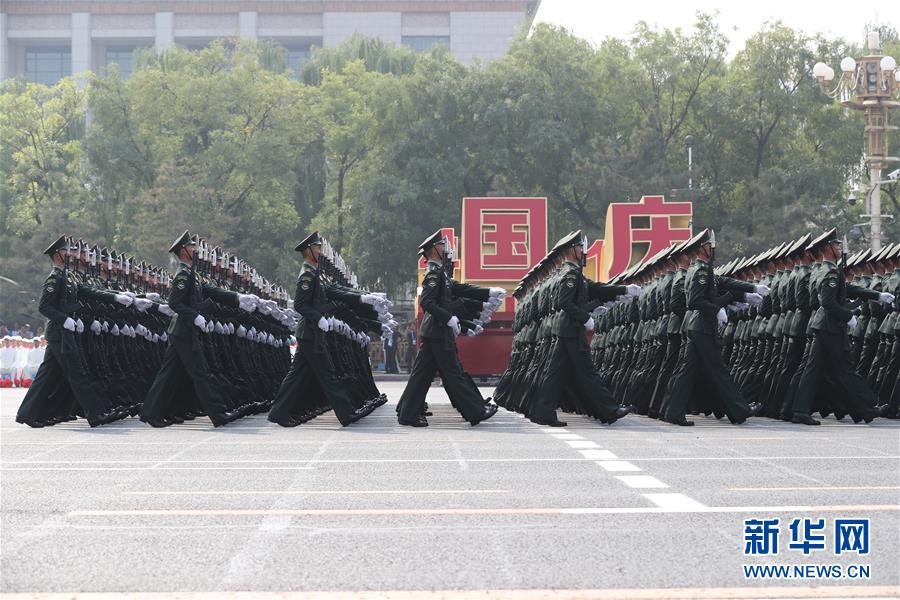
701	359
441	298
330	370
185	371
62	379
827	358
552	363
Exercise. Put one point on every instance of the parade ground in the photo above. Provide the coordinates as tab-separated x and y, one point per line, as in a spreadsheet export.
507	509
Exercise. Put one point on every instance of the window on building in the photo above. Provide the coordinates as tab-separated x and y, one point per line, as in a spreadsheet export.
48	65
298	54
421	43
122	56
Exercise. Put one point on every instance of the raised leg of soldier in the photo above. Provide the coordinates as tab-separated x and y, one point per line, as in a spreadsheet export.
463	392
168	388
412	402
35	404
293	392
586	383
716	376
208	393
336	392
682	384
546	397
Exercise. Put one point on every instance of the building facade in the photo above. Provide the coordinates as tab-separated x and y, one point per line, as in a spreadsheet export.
44	40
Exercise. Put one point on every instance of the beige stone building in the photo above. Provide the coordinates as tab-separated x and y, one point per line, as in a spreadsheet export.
44	40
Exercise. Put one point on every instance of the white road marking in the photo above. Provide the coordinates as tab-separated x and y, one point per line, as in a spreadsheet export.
674	502
617	465
582	444
303	492
567	436
598	454
677	505
641	481
427	460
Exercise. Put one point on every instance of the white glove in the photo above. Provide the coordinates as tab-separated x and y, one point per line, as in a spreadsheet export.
368	299
589	324
241	331
323	323
210	327
164	309
69	324
217	327
478	329
231	329
153	296
200	321
753	298
114	330
453	323
886	298
95	327
632	290
79	326
142	304
762	290
140	330
155	338
497	292
292	340
271	339
722	316
164	337
124	299
105	327
852	322
471	333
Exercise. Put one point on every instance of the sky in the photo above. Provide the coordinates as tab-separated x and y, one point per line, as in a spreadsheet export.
595	20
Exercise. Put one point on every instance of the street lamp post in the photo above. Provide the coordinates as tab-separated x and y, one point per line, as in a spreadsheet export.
868	84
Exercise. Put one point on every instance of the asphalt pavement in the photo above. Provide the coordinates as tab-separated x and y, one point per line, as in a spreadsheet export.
507	509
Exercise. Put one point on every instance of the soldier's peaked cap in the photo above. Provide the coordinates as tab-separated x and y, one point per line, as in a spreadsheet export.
59	244
572	239
312	239
182	240
800	244
432	240
694	242
828	236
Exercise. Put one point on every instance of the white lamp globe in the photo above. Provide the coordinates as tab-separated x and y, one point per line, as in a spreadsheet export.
888	63
848	65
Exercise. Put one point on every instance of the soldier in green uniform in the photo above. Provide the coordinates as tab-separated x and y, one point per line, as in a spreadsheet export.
827	358
569	372
701	358
62	379
437	338
312	374
185	373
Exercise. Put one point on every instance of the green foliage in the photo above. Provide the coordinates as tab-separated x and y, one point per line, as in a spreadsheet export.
375	146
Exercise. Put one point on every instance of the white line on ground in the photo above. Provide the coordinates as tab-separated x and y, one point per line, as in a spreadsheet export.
641	481
674	502
303	492
567	436
582	444
681	505
598	454
617	465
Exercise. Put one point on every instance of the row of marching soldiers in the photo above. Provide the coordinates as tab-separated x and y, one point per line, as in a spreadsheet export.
550	366
126	338
765	335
